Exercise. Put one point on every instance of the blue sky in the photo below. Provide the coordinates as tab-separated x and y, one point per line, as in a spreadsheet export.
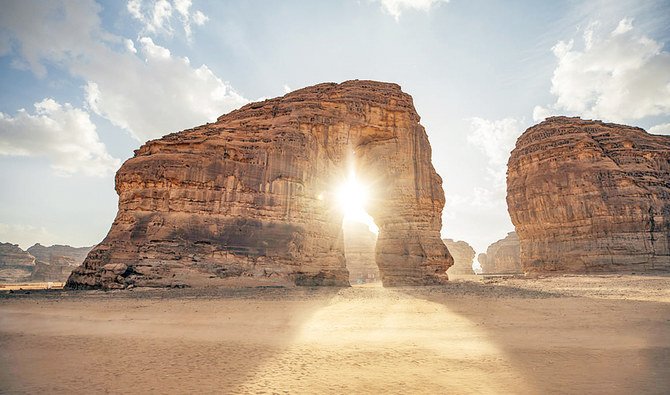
85	83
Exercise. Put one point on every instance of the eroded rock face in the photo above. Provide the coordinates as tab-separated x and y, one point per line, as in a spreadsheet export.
359	251
503	256
590	196
463	256
250	197
16	265
55	263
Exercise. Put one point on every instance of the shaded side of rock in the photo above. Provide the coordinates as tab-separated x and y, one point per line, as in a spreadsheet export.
463	255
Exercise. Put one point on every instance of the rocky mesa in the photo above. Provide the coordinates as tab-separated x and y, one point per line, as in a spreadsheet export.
589	196
250	197
503	256
463	255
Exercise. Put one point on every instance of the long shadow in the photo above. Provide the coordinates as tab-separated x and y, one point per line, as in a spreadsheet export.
567	344
147	341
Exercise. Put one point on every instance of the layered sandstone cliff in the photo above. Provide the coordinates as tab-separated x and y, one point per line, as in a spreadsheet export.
359	251
503	256
251	196
55	263
16	265
590	196
463	255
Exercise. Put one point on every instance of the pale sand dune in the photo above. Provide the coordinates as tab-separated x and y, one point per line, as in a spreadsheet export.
608	334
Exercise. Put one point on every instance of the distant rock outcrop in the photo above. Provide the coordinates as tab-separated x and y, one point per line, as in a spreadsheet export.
251	196
590	196
463	255
503	256
55	263
359	250
16	265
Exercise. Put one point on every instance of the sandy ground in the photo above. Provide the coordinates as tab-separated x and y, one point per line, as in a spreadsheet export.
595	335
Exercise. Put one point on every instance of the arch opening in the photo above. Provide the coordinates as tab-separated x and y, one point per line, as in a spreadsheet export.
359	230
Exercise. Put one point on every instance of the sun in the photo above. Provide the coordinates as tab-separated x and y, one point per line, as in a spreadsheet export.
352	197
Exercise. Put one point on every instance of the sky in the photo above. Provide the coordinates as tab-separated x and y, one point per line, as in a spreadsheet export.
84	83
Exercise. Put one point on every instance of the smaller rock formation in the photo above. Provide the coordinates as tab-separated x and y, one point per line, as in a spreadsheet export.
463	256
55	263
16	265
588	196
503	256
359	251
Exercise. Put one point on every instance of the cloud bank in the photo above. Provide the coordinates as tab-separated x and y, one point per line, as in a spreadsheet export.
63	134
619	76
138	85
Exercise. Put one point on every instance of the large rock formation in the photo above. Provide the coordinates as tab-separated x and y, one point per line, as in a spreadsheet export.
55	263
503	256
463	256
16	265
359	251
251	196
590	196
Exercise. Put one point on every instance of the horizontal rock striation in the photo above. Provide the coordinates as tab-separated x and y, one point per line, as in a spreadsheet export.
502	257
55	263
463	255
250	197
16	265
589	196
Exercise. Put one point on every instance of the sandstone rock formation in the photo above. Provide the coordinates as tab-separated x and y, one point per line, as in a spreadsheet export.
359	251
503	256
16	265
55	263
590	196
251	196
463	256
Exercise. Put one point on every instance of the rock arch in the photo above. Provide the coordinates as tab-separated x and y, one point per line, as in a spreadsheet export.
249	197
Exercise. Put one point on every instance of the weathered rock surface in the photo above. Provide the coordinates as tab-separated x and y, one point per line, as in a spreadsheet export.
463	255
503	256
16	265
251	195
359	251
55	263
590	196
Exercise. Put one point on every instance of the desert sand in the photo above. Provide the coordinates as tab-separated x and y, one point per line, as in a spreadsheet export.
578	334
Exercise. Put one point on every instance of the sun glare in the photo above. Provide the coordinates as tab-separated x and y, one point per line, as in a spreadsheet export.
352	197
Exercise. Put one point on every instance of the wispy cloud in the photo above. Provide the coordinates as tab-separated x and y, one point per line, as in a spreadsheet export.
395	8
63	134
138	85
158	16
620	75
496	139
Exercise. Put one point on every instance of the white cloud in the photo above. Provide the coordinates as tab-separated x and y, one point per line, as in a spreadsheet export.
663	128
146	90
622	75
395	8
157	16
495	139
163	93
63	134
287	89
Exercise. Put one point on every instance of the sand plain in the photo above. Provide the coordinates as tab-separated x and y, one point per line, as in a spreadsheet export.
572	334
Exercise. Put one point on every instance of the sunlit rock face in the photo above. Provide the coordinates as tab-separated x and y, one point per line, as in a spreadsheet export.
16	265
55	263
503	256
590	196
359	251
250	197
463	256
